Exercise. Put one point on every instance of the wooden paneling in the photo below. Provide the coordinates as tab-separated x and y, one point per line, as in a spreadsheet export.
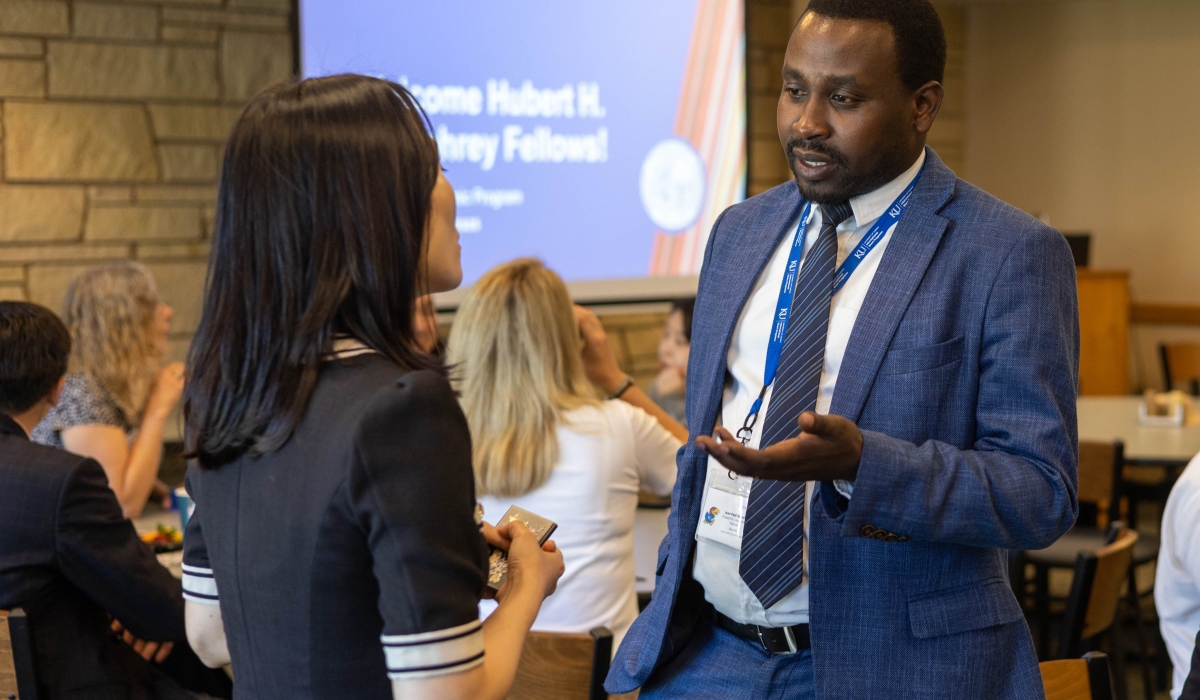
1166	314
1103	332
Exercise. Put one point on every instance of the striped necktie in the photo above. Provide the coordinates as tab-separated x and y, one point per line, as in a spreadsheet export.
772	558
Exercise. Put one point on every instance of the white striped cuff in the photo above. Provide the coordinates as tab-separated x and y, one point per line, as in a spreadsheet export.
434	653
199	586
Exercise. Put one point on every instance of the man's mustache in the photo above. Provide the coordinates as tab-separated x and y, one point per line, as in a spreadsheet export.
835	156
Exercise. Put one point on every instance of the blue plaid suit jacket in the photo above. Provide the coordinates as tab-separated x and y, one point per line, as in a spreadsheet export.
961	372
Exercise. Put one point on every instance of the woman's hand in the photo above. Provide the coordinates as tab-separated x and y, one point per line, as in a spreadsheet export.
167	390
532	570
599	362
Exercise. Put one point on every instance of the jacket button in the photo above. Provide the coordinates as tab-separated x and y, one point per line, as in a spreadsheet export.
880	534
892	537
903	538
867	530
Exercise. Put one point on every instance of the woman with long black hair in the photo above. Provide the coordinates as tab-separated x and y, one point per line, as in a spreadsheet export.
334	545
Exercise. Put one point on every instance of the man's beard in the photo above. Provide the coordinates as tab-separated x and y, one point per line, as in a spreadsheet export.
844	184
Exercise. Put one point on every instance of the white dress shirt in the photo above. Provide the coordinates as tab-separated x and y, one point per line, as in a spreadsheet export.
716	567
606	453
1177	579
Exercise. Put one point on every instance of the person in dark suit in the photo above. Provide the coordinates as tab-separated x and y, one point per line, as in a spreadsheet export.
68	556
886	358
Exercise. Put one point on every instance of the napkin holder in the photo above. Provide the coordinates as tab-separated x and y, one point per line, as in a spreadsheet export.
1170	409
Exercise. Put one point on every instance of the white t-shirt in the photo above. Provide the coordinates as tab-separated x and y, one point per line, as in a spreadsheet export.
1177	578
605	454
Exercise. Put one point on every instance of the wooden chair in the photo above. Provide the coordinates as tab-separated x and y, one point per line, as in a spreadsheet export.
16	657
557	666
1088	678
1099	469
1181	365
1096	592
1101	481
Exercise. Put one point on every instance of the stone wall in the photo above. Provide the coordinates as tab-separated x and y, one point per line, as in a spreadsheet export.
113	115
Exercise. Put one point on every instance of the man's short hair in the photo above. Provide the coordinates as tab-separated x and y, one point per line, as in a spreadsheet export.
920	37
34	348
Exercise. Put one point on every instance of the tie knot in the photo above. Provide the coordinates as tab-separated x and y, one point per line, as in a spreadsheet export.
834	214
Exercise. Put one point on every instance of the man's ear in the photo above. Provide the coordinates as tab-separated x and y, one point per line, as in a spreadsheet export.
927	103
56	393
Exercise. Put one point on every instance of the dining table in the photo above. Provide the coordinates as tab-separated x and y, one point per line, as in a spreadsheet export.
1110	418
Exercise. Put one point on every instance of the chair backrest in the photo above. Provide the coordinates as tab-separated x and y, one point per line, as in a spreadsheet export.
1096	590
1088	678
559	666
1100	466
1181	365
16	656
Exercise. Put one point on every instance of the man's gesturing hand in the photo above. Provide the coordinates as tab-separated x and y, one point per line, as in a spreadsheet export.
828	448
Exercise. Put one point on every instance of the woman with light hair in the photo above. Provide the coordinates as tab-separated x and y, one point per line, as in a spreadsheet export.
118	393
544	439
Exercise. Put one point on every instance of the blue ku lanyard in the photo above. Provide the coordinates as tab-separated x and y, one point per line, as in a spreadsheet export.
788	289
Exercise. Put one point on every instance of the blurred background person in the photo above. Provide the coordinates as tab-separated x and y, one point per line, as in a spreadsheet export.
118	394
335	504
669	387
521	357
69	557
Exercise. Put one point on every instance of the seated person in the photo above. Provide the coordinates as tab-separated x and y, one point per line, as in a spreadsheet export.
544	440
1177	580
68	556
669	389
118	395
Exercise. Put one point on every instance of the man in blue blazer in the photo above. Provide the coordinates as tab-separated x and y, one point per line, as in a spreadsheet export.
886	358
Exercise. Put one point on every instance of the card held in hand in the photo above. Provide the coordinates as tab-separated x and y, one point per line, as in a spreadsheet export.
498	558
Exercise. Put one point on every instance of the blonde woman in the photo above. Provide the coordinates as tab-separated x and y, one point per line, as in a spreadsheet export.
118	394
545	440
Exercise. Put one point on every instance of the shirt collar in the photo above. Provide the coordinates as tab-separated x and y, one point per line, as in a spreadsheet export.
9	426
870	206
345	347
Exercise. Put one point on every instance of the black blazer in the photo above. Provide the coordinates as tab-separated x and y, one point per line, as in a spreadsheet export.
350	554
68	556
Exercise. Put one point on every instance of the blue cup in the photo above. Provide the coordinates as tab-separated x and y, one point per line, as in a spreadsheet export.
185	505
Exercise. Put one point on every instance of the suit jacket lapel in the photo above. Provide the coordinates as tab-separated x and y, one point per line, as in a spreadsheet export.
900	272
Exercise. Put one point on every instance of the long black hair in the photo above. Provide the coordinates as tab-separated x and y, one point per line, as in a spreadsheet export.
325	191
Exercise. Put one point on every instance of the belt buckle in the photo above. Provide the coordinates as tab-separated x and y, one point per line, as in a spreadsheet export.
787	635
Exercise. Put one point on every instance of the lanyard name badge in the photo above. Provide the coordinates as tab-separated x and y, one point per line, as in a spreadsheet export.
727	495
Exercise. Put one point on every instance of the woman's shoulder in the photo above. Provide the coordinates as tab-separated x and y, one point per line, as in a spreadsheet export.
82	386
85	401
613	416
408	396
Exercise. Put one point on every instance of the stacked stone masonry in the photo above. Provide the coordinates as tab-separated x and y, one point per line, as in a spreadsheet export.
113	117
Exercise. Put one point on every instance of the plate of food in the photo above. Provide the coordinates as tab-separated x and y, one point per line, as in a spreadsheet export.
164	538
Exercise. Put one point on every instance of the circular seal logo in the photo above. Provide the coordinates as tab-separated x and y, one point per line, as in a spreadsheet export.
672	184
